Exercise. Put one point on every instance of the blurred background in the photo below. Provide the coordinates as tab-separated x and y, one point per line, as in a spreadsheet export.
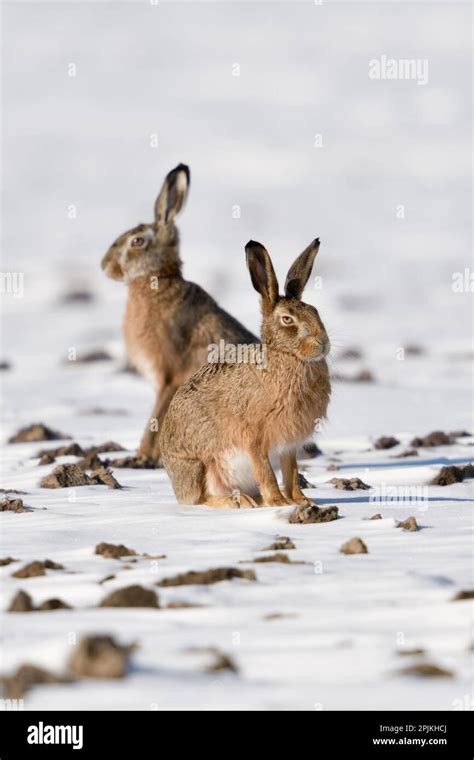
287	137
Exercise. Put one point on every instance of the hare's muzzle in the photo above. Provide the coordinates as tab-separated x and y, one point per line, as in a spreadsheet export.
110	265
318	349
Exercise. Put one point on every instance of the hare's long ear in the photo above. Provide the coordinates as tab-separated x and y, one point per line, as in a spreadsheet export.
261	271
172	195
300	270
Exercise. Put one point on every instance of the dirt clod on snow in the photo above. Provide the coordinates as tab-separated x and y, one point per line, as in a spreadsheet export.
425	670
354	546
409	524
100	657
349	484
386	442
436	438
452	474
463	595
281	543
36	568
13	505
313	514
214	575
114	551
131	596
26	677
37	432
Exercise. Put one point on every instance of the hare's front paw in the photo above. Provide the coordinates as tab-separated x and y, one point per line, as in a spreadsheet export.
242	501
304	501
276	501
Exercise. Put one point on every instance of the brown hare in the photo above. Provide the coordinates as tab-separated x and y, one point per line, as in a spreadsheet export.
226	421
169	322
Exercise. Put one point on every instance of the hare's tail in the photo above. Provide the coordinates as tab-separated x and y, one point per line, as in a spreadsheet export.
188	477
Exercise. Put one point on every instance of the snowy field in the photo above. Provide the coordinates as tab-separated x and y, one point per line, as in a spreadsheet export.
78	170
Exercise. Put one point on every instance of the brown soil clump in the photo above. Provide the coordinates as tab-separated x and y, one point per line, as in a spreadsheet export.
303	482
310	451
426	670
354	546
26	677
349	484
412	349
455	434
104	475
281	543
46	459
278	557
134	463
131	596
107	578
100	657
36	568
313	514
436	438
452	474
220	662
409	524
21	602
406	454
386	442
364	376
103	448
37	432
78	297
53	604
207	577
279	615
463	595
352	354
70	449
66	476
114	551
13	505
73	475
88	357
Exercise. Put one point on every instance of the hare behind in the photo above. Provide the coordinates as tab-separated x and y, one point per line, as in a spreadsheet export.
227	420
169	322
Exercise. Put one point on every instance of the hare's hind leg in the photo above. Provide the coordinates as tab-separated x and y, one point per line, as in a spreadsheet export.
188	477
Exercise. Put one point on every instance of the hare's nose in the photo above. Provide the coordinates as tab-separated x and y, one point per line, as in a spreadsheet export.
325	345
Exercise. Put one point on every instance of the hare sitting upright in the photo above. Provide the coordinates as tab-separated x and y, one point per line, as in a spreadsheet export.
169	322
226	421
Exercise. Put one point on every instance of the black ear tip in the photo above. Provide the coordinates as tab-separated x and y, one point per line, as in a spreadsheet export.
316	241
181	168
252	245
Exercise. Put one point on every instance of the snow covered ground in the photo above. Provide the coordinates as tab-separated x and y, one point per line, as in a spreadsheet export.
387	282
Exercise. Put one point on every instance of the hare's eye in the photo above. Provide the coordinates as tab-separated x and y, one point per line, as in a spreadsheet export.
138	242
287	320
